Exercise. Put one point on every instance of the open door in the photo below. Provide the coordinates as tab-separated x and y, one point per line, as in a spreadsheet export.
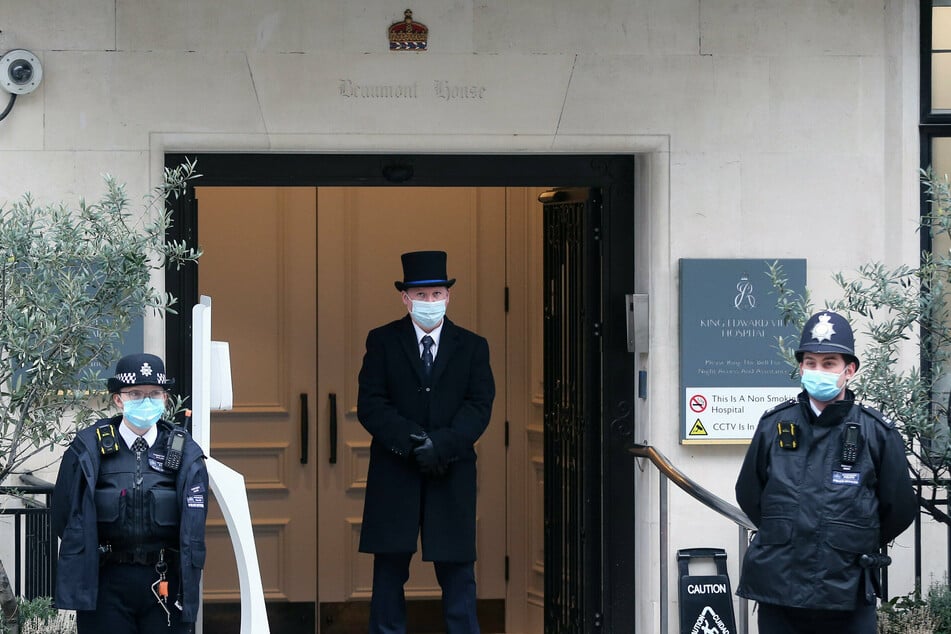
589	409
572	408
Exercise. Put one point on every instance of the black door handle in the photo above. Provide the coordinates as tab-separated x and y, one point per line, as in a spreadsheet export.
333	428
304	429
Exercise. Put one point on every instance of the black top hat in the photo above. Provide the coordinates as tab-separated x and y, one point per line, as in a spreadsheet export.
424	268
139	369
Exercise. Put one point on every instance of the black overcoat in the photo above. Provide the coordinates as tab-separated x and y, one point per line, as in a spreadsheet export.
394	402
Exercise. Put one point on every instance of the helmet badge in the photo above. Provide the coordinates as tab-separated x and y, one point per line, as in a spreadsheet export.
823	330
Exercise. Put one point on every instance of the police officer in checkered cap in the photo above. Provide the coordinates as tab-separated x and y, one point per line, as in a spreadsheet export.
826	482
129	507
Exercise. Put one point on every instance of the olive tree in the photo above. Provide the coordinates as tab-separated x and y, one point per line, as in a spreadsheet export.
72	281
896	311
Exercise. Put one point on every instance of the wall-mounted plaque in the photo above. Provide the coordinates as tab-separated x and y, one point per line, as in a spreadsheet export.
730	367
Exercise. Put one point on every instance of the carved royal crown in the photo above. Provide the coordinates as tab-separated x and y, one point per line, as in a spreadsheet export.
408	35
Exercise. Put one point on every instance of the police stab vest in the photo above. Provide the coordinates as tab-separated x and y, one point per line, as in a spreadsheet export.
136	501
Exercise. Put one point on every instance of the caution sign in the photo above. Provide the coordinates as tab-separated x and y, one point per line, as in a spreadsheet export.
709	621
698	429
706	601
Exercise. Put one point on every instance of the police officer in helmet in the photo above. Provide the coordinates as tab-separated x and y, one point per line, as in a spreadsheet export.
129	506
826	482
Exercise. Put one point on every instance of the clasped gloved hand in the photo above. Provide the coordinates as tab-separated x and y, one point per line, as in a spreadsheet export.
425	454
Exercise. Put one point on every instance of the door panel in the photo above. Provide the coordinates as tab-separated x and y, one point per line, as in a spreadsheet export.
260	271
361	234
525	401
572	410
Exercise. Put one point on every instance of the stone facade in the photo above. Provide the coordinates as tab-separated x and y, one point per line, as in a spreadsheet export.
762	129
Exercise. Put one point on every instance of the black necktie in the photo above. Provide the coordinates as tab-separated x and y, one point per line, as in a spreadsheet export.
427	342
140	445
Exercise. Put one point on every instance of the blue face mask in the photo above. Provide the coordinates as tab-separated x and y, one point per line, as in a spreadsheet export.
822	386
143	413
428	314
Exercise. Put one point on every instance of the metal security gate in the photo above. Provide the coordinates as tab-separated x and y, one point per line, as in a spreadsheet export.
572	410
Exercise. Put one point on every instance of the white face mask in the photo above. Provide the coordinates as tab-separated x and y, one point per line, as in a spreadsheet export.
428	314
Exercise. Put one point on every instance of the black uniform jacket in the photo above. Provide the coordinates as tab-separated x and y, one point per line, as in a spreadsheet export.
73	510
453	408
816	513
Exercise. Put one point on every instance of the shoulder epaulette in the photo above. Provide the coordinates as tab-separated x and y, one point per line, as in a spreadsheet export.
780	406
877	415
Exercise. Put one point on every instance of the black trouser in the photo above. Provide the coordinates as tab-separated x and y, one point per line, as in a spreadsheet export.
778	619
388	603
126	604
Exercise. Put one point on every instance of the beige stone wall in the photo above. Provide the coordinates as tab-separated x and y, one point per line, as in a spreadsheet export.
765	129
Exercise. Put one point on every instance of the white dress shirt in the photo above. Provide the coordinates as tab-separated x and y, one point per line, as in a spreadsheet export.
435	334
129	436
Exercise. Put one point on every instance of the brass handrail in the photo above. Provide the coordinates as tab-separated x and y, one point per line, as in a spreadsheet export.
693	489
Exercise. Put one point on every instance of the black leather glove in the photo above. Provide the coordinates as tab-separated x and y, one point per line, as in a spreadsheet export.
418	438
425	454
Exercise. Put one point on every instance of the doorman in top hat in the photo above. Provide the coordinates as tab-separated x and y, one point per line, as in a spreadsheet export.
129	506
826	482
426	392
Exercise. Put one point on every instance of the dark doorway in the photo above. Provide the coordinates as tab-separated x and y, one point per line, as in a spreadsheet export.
604	580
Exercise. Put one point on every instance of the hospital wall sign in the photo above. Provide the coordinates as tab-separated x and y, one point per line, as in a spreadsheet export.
730	368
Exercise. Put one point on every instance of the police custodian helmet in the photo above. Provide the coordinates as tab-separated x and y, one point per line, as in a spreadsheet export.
828	332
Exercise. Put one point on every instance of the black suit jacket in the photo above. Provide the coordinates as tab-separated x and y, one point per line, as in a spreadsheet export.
453	407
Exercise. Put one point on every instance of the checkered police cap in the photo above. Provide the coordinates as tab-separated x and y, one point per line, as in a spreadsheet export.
139	369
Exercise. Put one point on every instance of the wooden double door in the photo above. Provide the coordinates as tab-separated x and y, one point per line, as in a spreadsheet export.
298	276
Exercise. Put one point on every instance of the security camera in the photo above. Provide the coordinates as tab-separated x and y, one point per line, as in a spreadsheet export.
20	72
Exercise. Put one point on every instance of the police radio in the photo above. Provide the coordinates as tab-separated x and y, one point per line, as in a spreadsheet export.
106	436
850	444
174	449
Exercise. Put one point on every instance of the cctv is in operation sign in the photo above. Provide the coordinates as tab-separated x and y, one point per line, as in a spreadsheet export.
730	368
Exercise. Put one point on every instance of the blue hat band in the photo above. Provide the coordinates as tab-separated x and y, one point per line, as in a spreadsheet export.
424	281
